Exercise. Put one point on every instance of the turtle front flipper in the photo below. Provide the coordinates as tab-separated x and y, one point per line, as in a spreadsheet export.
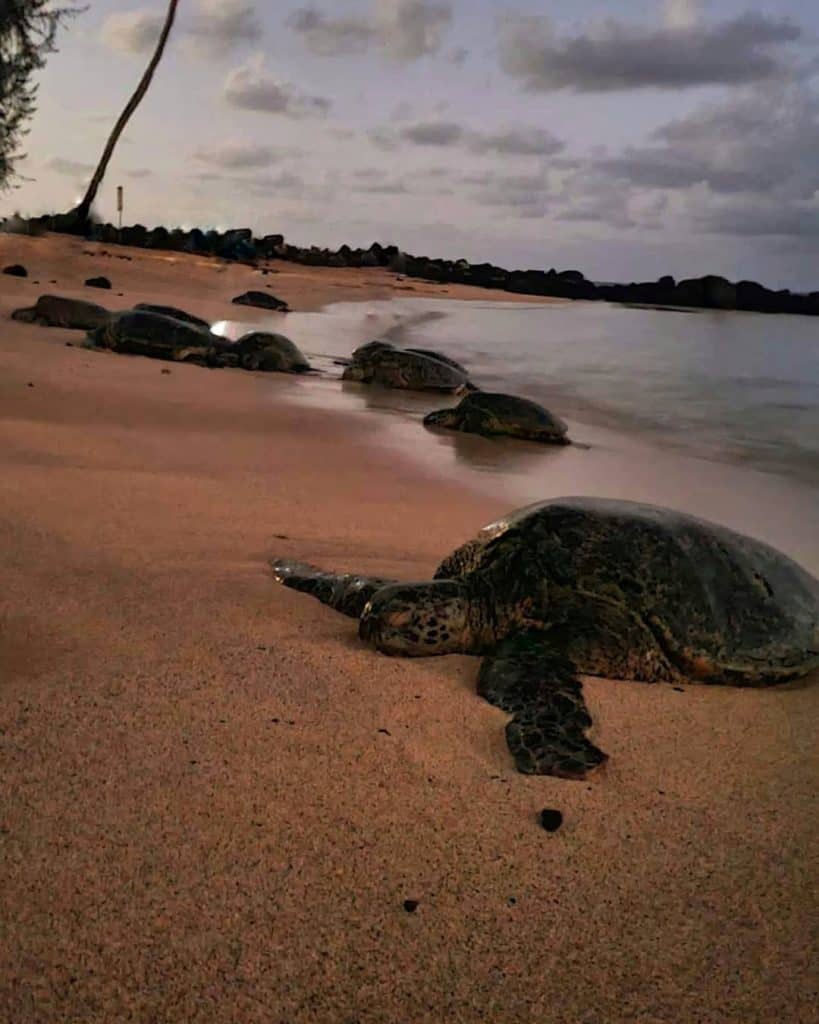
345	592
537	683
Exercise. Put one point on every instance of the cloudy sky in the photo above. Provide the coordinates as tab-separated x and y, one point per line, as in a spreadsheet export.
627	138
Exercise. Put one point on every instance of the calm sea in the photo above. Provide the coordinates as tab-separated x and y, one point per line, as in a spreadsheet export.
713	412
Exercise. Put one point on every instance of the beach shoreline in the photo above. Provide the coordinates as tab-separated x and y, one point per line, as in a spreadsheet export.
216	800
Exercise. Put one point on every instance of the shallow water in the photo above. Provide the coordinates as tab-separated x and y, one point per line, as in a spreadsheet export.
714	413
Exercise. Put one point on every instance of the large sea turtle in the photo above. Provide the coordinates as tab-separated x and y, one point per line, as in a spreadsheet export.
175	312
609	588
260	350
144	333
371	347
493	414
384	364
59	311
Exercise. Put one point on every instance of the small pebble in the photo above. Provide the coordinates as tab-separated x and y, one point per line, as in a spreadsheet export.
551	819
410	906
161	371
679	689
29	385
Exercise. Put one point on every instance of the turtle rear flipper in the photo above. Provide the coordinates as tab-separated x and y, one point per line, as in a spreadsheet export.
533	680
345	592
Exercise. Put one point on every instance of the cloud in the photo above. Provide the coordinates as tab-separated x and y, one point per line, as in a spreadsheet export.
617	55
515	140
744	166
763	142
752	219
239	155
388	187
132	31
71	168
140	172
524	195
221	25
331	37
682	13
250	87
520	141
403	30
433	133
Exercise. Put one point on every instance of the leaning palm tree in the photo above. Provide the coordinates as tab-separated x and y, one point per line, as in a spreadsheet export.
81	212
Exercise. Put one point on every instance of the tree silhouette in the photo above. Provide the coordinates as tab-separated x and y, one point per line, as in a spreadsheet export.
28	31
81	213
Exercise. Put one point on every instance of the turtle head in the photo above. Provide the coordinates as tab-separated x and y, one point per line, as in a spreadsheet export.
441	418
417	619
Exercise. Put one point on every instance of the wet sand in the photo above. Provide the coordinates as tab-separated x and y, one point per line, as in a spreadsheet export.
215	801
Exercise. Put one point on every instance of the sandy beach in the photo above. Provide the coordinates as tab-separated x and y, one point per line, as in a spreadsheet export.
215	801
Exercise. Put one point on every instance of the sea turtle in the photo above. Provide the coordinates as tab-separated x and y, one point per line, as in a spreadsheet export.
172	311
609	588
382	363
440	357
260	350
139	332
493	414
371	347
59	311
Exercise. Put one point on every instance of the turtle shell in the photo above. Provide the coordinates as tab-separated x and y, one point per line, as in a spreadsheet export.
721	606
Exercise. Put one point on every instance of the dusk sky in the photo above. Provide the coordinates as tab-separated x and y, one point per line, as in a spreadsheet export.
628	138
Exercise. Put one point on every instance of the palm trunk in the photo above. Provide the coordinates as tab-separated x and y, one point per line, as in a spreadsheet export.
82	211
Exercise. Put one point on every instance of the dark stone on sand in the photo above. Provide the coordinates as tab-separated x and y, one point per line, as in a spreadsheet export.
262	300
16	270
411	906
98	282
551	819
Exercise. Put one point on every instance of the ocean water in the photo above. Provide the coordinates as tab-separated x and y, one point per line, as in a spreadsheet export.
716	413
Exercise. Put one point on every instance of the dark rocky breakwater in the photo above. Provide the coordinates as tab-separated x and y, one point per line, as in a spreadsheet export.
239	244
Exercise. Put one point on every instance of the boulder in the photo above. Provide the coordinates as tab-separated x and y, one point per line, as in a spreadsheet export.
16	270
262	300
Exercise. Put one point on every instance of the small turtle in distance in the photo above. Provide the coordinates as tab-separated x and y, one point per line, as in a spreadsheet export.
492	414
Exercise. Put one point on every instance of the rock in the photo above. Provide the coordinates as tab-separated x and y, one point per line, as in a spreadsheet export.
57	311
260	350
98	282
398	263
550	819
136	235
157	239
411	906
237	244
262	300
719	293
16	270
172	311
